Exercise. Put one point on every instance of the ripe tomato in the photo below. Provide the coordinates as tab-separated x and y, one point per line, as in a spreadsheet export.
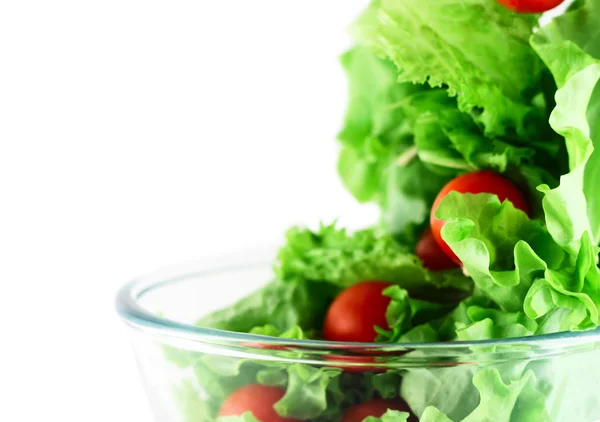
356	311
530	6
431	254
358	360
255	398
375	408
478	182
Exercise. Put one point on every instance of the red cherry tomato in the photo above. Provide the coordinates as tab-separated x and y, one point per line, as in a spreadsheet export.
530	6
358	360
255	398
477	182
264	346
356	311
375	408
431	254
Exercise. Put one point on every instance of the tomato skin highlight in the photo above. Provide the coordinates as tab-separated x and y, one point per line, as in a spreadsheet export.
356	311
478	182
376	408
255	398
431	254
530	6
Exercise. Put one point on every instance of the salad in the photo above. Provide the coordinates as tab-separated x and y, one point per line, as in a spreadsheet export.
473	128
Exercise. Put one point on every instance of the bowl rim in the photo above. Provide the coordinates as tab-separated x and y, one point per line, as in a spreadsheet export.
136	316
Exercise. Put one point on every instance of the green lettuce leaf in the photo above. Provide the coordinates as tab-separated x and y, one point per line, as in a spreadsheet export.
405	313
390	416
562	45
493	400
432	414
407	194
518	400
566	207
500	247
581	25
373	94
334	256
467	47
401	143
306	396
569	299
385	384
451	390
376	137
374	129
517	264
492	323
272	331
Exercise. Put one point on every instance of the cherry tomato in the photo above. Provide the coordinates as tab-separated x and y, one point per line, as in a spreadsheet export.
264	346
530	6
255	398
375	408
431	254
358	360
478	182
356	311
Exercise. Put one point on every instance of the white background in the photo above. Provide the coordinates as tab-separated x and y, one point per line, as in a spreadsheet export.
137	134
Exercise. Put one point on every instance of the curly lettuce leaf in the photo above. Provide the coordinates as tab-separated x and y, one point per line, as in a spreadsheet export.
517	264
569	299
377	135
306	396
373	94
432	414
575	206
565	206
404	313
580	24
334	256
451	390
500	247
477	49
401	143
492	323
517	400
547	271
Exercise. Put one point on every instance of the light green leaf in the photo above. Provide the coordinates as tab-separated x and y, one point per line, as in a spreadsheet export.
574	207
334	256
476	48
390	416
501	248
432	414
306	394
499	401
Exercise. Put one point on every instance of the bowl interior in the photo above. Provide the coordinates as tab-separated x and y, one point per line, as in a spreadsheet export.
186	293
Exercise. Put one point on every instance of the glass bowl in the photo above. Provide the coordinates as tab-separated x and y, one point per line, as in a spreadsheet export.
188	371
